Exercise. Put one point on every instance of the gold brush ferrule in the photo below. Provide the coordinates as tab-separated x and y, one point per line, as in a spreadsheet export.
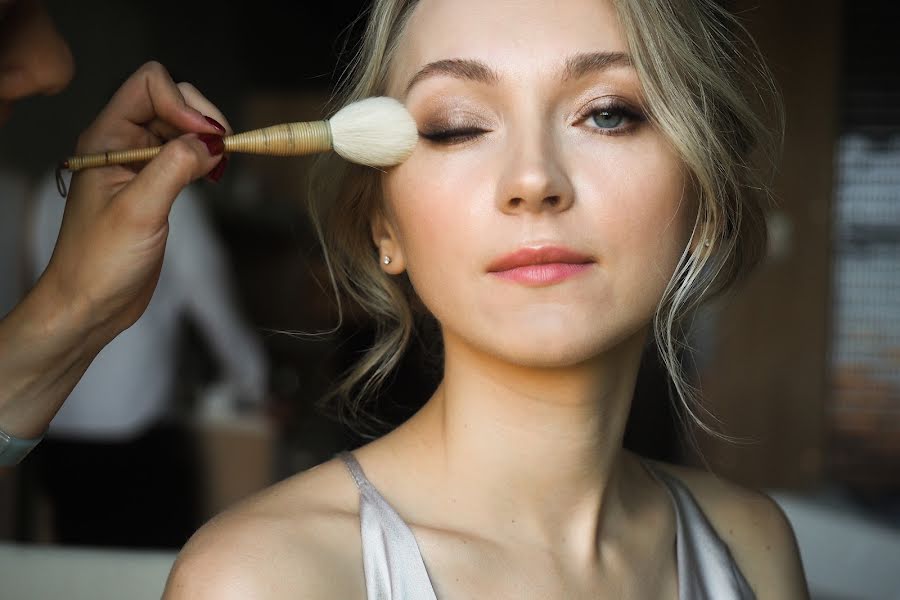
287	139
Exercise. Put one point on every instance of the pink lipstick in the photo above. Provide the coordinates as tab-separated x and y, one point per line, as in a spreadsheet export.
540	266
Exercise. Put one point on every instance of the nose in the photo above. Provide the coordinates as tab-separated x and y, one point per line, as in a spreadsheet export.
34	57
534	179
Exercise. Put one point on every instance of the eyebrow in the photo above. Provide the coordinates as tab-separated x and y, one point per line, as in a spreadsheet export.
592	62
577	66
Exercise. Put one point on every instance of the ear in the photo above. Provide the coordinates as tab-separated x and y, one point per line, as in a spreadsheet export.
384	236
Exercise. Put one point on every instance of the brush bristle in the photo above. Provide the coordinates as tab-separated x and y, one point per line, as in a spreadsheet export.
378	132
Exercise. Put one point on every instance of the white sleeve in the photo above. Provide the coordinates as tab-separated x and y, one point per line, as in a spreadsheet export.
199	262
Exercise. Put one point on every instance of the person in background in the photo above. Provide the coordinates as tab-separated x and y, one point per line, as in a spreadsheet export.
117	446
109	254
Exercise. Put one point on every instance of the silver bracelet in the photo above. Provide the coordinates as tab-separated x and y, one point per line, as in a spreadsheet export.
13	449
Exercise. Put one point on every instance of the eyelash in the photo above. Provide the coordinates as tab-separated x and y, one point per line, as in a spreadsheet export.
461	135
453	136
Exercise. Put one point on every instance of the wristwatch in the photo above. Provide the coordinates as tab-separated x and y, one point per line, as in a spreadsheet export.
13	449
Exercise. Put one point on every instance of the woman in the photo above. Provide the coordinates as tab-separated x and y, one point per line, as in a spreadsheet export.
582	176
110	248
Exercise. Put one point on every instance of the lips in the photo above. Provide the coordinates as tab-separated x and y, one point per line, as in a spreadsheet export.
527	257
540	266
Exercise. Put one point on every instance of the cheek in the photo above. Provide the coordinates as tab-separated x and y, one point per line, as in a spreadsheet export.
643	215
437	221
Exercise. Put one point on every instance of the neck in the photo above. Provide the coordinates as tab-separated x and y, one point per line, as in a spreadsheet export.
546	442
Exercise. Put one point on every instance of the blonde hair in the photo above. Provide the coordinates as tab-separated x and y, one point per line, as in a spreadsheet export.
706	87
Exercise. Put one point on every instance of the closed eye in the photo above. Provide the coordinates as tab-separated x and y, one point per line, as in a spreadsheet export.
455	135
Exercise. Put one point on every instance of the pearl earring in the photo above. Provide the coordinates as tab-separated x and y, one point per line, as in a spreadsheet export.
387	260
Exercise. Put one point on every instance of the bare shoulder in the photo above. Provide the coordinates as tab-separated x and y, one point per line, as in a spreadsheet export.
755	529
297	539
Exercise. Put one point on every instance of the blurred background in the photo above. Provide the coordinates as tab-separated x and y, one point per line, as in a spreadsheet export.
802	362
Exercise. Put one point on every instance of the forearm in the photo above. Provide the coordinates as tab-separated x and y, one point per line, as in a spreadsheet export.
45	348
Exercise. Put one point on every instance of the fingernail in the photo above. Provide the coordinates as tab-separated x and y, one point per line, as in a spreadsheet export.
215	124
217	171
214	143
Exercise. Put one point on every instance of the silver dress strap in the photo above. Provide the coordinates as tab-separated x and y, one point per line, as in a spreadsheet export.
393	565
706	569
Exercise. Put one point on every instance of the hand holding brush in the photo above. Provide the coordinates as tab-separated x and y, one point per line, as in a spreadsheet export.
377	132
110	248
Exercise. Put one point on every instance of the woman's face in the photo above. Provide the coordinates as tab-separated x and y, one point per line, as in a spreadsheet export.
540	216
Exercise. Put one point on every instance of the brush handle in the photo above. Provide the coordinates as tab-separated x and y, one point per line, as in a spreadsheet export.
287	139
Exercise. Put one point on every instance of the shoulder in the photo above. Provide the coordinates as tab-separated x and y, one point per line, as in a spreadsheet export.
298	539
755	529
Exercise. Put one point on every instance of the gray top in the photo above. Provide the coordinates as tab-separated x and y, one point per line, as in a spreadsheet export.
394	568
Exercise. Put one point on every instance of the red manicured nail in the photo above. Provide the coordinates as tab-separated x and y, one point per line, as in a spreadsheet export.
217	171
214	143
215	124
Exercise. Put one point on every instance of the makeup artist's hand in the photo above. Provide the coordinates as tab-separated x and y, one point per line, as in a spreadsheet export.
110	248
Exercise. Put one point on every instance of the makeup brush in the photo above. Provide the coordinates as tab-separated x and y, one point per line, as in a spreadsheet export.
377	132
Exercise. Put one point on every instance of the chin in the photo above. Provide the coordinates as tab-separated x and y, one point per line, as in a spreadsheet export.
551	339
567	348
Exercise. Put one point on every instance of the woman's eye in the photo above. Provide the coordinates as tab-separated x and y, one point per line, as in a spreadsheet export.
607	119
612	119
452	136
